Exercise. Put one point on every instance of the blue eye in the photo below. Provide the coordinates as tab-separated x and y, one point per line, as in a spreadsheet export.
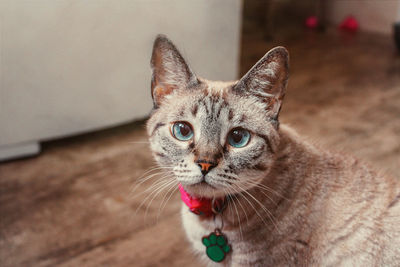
182	131
238	137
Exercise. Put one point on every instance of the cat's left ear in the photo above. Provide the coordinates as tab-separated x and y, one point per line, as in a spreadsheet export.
170	71
267	79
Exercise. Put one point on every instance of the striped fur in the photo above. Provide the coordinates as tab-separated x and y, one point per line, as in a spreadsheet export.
290	202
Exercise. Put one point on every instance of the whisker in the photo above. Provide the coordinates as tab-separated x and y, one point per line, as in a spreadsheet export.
237	214
244	210
252	206
264	208
170	191
156	168
166	185
155	184
143	179
267	189
138	142
154	189
230	205
261	191
271	217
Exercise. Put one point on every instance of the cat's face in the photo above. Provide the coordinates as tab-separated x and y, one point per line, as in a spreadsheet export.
217	138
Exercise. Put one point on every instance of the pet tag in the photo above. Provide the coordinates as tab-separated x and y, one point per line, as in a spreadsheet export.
216	245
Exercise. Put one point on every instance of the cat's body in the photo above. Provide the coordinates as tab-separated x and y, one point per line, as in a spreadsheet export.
328	210
289	202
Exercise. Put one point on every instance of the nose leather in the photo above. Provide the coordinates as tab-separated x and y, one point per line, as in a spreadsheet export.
205	166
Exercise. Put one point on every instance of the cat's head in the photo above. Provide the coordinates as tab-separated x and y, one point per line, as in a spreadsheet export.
216	137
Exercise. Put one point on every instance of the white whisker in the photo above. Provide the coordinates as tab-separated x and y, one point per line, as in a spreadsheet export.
159	190
155	188
159	181
163	204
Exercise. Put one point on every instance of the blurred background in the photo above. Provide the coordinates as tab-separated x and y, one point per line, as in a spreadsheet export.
75	95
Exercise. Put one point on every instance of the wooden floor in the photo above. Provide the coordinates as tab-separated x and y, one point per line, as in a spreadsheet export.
73	204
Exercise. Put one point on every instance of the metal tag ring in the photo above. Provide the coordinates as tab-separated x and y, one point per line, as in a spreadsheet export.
218	207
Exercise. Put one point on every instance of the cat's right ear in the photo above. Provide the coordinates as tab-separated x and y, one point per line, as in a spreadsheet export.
170	70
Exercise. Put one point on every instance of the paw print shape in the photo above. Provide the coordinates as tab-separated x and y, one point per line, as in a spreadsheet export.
216	246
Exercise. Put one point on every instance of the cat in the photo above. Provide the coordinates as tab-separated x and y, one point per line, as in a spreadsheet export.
289	202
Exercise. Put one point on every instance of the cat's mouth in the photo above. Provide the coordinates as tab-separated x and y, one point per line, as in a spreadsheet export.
202	183
206	184
203	189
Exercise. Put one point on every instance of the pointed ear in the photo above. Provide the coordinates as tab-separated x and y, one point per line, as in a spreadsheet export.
170	70
267	79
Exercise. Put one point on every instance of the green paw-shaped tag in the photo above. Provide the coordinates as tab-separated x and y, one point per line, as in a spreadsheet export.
217	246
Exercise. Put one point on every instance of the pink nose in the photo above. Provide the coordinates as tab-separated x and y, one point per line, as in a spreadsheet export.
205	166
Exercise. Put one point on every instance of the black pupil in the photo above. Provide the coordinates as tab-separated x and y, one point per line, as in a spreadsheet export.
237	136
184	129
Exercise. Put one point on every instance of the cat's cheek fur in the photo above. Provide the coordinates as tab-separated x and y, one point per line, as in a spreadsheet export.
258	158
166	149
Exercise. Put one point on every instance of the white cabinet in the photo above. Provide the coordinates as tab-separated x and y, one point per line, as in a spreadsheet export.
69	67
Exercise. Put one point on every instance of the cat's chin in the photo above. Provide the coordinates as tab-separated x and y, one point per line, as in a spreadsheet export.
204	189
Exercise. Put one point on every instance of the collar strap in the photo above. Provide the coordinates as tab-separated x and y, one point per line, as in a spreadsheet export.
202	206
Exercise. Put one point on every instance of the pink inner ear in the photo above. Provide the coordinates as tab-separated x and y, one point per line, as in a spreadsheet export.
160	91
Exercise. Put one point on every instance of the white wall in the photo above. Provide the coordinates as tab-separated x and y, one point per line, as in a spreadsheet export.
71	66
373	15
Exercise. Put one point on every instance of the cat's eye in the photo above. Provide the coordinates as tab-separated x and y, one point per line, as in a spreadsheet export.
182	131
238	137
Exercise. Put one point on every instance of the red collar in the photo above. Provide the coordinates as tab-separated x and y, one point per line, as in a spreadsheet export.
200	206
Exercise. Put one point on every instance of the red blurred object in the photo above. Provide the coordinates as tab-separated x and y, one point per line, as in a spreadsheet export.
199	206
312	22
349	24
